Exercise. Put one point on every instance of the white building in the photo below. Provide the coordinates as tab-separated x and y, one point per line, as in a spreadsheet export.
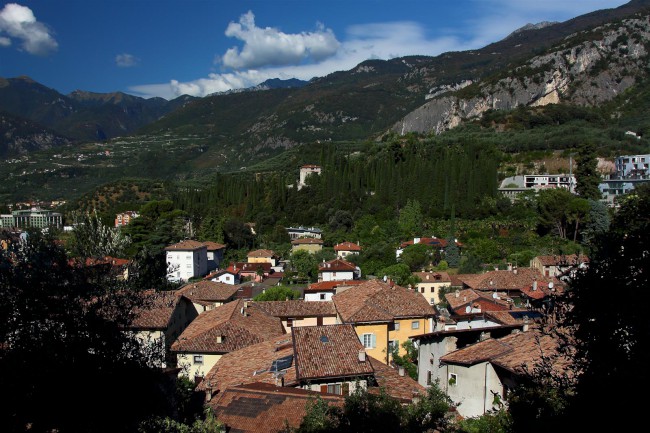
305	171
338	270
186	259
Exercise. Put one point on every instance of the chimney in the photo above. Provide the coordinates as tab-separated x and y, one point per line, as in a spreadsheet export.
401	370
362	355
464	298
219	339
457	293
535	285
510	266
245	304
208	390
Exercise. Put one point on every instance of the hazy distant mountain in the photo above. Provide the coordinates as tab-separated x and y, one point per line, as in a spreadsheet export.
19	136
81	115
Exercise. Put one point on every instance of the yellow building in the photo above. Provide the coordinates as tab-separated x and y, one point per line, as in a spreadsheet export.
430	284
311	245
263	256
384	315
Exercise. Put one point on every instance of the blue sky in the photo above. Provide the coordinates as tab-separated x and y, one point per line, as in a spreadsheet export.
172	47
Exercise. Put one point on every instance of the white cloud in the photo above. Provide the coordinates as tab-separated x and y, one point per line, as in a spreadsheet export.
19	22
269	53
271	47
125	60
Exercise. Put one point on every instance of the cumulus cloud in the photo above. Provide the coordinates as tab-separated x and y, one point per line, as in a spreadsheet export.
125	60
268	53
18	22
272	47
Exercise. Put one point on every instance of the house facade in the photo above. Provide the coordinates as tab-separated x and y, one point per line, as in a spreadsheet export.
215	253
384	315
124	218
185	260
206	295
338	270
311	245
263	256
344	249
431	284
304	232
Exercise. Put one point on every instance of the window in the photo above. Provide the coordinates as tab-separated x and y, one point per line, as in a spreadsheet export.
429	379
334	388
415	324
392	344
369	341
198	359
396	326
289	323
322	296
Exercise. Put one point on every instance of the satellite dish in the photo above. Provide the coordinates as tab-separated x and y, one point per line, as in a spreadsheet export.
468	309
385	278
550	285
495	295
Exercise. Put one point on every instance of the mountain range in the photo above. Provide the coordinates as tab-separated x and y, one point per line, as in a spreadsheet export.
587	61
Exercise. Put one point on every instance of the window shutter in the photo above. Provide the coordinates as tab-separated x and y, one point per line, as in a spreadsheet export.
323	389
346	388
373	339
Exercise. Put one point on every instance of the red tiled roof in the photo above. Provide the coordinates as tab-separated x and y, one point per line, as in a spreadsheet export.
403	388
336	265
261	407
213	246
376	301
347	246
331	285
328	351
157	310
237	330
252	267
187	245
207	290
306	241
297	308
261	253
514	352
562	260
459	300
507	280
251	364
433	277
438	242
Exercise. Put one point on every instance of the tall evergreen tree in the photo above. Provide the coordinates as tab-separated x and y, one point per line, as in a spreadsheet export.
587	177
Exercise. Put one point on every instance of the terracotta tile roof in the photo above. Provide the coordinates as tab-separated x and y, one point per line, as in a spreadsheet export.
328	351
507	280
227	321
251	364
157	310
260	407
433	277
376	301
468	297
347	246
262	253
306	241
252	267
402	388
210	291
563	260
337	265
187	245
297	308
511	352
437	242
513	317
213	246
332	285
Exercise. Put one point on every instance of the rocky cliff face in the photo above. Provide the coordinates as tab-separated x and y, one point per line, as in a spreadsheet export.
588	68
